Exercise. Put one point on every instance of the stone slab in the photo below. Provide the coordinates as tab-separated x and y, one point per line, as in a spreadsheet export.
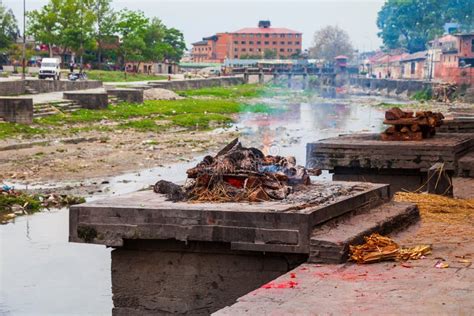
369	152
330	242
127	95
457	125
276	226
88	100
16	110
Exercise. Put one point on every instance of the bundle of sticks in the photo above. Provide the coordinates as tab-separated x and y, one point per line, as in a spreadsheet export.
238	174
380	248
405	126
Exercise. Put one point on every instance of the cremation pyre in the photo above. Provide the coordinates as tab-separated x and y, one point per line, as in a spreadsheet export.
405	126
238	174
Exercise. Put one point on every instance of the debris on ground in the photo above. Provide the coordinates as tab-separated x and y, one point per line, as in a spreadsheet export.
160	94
14	203
405	126
380	248
444	92
238	174
440	208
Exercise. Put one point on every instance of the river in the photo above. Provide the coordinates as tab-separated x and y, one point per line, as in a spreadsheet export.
43	274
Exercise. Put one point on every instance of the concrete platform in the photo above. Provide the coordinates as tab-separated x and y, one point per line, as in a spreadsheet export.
457	125
402	164
466	165
276	226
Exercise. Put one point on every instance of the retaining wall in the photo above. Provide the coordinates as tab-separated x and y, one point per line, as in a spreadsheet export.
88	100
127	95
13	87
391	86
198	83
17	110
44	86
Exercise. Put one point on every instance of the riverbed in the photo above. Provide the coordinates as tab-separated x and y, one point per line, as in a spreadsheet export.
43	274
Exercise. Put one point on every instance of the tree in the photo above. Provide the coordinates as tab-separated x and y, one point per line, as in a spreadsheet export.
174	44
65	23
131	28
269	54
330	42
8	27
411	24
106	20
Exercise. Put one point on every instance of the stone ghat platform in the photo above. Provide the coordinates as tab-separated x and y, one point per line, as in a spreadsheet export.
402	164
276	226
196	258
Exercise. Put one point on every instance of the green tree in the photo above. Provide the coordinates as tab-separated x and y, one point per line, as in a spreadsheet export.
9	27
174	44
131	28
411	24
330	42
65	23
105	20
269	54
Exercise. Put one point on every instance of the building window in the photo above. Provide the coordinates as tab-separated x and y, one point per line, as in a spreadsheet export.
290	43
243	42
258	42
243	49
412	68
236	56
290	50
267	35
297	35
236	42
259	49
282	50
282	43
282	35
267	43
297	43
244	36
236	49
251	35
274	35
290	35
250	49
274	43
250	42
259	35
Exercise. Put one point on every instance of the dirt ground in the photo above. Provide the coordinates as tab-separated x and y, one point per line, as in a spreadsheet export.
101	154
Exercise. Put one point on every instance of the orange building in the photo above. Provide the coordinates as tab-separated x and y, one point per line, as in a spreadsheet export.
454	60
257	42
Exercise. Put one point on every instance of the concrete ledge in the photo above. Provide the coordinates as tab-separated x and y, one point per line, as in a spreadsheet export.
45	86
466	165
197	83
330	242
13	87
16	110
88	100
127	95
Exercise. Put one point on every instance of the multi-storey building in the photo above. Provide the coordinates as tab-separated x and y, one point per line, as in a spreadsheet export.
263	41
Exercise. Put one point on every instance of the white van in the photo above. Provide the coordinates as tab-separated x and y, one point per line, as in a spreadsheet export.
50	68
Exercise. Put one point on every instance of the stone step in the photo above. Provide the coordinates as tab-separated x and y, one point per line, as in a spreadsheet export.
330	242
43	114
44	110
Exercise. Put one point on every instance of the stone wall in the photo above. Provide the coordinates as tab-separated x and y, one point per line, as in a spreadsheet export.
127	95
13	87
44	86
198	83
17	110
168	277
391	87
88	100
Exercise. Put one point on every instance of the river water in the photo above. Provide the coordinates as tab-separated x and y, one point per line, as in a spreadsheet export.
42	274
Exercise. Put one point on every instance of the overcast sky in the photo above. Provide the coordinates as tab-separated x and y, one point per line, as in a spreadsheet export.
197	19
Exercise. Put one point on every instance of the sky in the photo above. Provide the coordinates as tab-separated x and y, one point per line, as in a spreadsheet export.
197	19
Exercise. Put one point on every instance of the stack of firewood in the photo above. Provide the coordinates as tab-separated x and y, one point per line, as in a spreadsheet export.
405	126
238	174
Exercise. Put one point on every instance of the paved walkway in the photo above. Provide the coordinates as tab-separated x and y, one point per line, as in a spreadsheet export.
390	288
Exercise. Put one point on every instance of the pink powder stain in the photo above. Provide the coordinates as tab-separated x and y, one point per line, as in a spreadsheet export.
281	285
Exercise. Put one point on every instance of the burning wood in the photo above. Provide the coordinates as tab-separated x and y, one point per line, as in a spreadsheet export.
238	174
405	126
